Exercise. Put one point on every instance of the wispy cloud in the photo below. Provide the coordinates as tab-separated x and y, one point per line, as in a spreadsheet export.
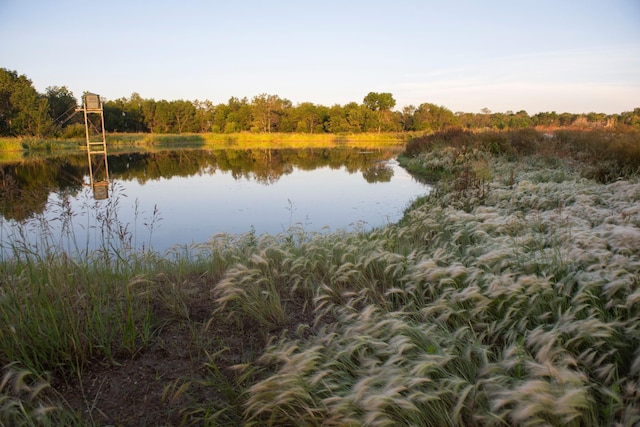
578	80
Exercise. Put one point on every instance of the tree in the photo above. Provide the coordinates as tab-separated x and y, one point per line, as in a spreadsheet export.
381	103
306	118
520	120
356	116
630	118
127	115
134	113
184	113
407	118
235	116
163	117
546	118
114	115
267	110
204	116
431	117
22	110
62	106
148	111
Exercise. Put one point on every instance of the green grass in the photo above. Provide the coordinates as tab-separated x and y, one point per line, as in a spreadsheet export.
211	140
10	144
258	140
511	302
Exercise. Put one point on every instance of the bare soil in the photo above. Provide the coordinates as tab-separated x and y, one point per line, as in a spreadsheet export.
171	381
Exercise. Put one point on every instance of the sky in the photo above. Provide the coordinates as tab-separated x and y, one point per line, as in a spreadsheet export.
574	56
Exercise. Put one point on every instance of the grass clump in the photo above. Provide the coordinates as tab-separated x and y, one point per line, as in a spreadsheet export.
26	400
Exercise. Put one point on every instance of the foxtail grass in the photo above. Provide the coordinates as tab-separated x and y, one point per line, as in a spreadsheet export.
517	307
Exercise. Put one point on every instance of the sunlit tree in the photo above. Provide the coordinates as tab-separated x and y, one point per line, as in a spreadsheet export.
62	106
204	116
381	104
22	110
407	119
434	118
630	118
306	118
267	110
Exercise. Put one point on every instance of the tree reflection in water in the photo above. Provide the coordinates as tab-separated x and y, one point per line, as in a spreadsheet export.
25	186
199	193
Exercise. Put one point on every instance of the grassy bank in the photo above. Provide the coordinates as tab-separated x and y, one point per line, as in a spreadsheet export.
262	140
510	296
118	141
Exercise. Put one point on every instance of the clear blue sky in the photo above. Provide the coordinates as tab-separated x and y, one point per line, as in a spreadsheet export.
562	55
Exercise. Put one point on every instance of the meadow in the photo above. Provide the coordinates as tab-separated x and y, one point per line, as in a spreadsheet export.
510	296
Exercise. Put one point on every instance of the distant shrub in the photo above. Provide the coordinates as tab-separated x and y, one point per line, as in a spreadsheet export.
452	137
35	144
75	130
496	143
524	142
607	155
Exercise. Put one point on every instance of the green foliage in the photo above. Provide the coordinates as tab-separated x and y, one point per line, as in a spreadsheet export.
381	104
433	118
62	109
24	112
379	101
519	306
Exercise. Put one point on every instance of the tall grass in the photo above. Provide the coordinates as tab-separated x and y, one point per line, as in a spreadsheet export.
517	306
511	313
25	401
63	303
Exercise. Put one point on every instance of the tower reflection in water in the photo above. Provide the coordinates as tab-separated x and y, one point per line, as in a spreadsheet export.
96	145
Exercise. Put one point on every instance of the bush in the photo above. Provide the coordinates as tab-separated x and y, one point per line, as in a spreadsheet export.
452	137
607	155
75	130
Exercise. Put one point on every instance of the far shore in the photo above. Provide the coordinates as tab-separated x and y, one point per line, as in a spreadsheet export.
244	140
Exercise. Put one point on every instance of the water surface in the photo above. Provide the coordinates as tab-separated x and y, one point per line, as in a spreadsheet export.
187	196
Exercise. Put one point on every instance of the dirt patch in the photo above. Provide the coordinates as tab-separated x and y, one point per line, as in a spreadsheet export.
139	391
186	372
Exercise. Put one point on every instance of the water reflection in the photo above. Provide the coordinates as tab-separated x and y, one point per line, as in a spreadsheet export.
25	186
202	192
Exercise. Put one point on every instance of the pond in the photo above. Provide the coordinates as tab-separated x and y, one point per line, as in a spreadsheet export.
181	197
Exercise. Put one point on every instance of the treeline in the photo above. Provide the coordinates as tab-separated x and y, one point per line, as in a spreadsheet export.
25	112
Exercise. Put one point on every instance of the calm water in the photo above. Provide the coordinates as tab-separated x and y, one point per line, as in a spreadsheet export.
182	197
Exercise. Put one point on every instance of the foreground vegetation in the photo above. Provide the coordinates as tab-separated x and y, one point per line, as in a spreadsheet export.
509	296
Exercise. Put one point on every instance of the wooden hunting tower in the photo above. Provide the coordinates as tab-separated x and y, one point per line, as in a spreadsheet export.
96	145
